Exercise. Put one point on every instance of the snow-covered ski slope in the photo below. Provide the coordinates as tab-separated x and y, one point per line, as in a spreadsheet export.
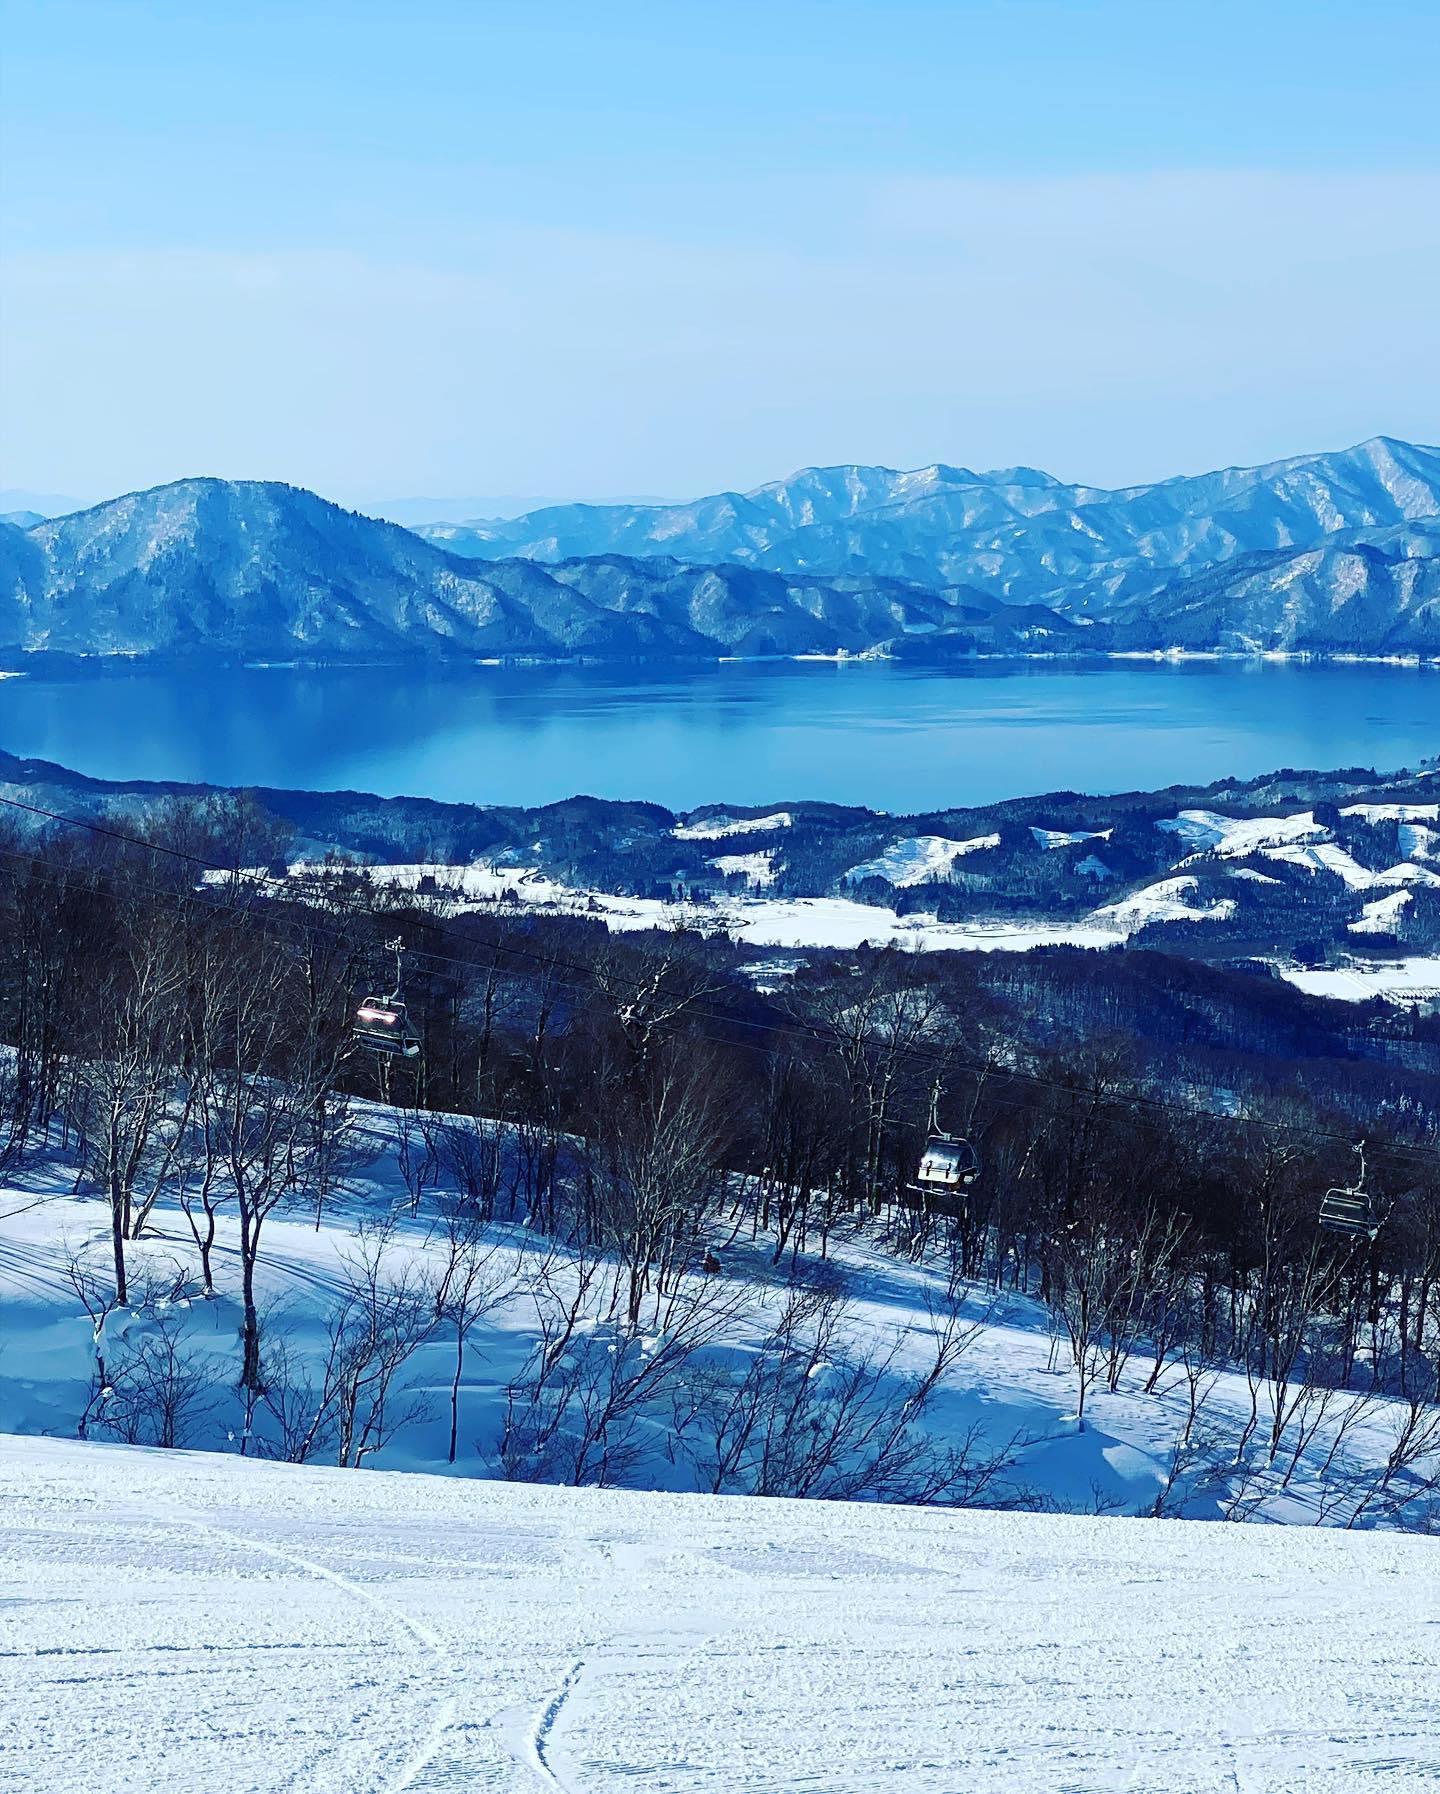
1010	1389
192	1623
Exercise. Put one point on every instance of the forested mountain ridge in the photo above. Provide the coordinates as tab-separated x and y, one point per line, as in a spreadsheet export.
248	568
1365	592
1312	872
1330	554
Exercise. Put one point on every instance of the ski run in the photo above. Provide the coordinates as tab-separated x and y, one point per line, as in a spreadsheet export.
190	1623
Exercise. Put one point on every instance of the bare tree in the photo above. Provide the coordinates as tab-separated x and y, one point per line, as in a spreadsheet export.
653	1165
270	1044
349	1403
471	1284
578	1412
815	1413
124	1104
158	1390
99	1297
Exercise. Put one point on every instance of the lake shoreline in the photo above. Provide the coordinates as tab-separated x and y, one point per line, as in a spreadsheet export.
123	663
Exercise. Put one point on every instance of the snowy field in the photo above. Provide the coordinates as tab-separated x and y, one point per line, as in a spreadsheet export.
843	924
752	850
1415	979
795	922
191	1623
1009	1386
200	1621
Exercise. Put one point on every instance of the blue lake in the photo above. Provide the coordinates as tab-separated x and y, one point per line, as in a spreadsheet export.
893	737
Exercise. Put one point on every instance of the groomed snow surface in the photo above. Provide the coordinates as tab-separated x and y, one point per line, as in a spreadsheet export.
194	1623
721	828
1382	915
757	868
1412	980
1207	831
918	858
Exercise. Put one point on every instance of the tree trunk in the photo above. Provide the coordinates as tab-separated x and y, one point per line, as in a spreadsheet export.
250	1368
117	1240
455	1388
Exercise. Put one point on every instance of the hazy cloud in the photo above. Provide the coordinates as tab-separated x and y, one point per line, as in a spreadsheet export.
1112	326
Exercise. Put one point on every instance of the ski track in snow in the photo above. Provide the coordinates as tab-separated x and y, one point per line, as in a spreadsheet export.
420	1635
27	1267
293	1269
544	1727
244	1626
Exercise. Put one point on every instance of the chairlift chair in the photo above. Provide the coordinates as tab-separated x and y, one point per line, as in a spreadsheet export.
1350	1210
1342	1211
948	1164
383	1023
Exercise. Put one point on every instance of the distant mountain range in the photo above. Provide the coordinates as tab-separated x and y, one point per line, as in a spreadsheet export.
1361	591
1336	553
1016	531
416	513
19	501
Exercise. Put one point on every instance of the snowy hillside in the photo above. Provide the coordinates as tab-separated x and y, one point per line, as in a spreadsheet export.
1001	1414
1160	1441
1365	871
1378	591
193	1623
1286	869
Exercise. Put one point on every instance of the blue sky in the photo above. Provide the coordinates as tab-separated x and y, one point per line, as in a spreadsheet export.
668	248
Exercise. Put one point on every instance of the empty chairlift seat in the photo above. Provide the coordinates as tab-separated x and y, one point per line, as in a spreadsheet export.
1348	1212
383	1025
947	1164
1351	1210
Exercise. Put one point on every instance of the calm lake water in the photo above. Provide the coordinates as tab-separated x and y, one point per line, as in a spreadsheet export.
892	737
